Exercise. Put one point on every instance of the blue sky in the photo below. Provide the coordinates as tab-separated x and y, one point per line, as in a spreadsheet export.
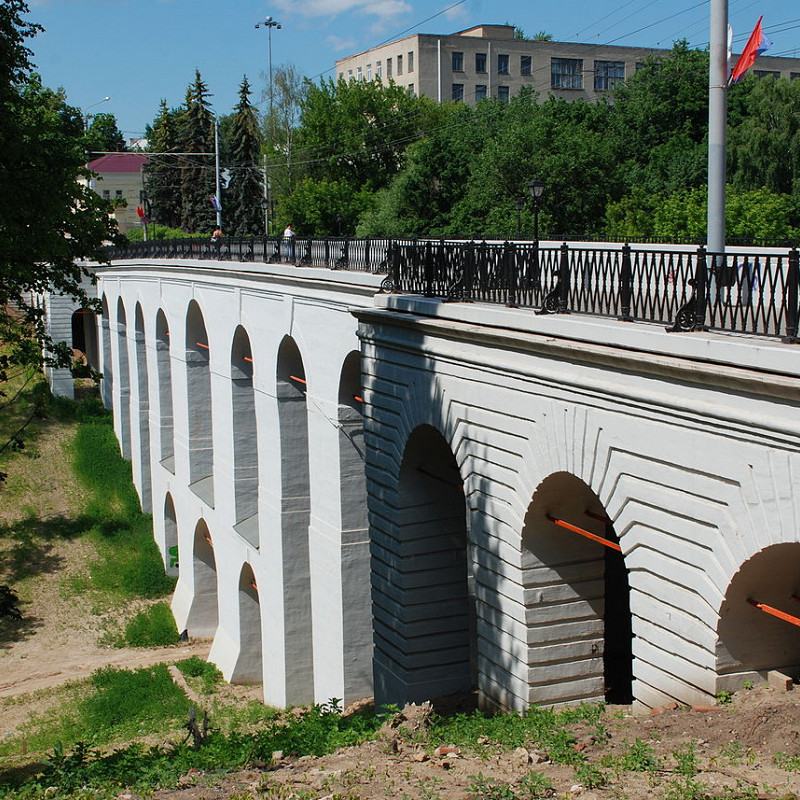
139	51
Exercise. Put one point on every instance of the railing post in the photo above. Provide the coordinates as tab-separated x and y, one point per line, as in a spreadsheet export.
327	252
428	270
701	287
792	298
563	280
469	271
626	284
509	250
366	254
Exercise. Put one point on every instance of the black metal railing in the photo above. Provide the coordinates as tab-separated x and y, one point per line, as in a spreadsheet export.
685	290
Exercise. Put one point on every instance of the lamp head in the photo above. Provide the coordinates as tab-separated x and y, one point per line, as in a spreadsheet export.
536	188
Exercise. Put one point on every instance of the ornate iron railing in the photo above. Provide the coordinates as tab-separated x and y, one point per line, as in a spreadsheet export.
751	293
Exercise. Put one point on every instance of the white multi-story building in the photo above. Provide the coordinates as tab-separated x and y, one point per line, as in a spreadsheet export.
487	61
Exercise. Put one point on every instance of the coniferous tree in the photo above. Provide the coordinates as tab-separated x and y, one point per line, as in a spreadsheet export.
243	207
162	174
197	178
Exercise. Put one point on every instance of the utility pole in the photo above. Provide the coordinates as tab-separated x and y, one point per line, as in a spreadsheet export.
216	169
269	24
266	196
718	74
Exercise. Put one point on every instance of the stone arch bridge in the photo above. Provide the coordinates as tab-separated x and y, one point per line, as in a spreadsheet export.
367	493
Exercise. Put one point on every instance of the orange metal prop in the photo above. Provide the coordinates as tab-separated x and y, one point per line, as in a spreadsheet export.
295	378
775	612
200	344
582	532
356	397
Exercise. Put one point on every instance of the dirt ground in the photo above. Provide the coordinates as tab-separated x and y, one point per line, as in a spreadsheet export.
734	746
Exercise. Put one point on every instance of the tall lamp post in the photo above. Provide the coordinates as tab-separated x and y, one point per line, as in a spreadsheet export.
269	24
87	117
536	188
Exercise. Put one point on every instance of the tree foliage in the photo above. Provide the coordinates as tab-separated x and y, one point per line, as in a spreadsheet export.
243	197
103	135
196	136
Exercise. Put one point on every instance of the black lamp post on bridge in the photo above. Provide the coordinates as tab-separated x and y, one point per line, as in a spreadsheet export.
536	188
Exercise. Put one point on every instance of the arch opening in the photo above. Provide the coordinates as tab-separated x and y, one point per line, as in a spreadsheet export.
171	556
84	342
424	609
165	411
248	667
357	621
143	412
577	598
245	438
751	641
203	616
295	520
200	416
124	426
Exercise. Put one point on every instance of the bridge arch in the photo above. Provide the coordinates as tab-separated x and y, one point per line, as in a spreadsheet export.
84	335
203	616
199	411
143	411
249	665
577	597
124	381
295	518
165	403
423	613
171	554
752	641
245	438
107	385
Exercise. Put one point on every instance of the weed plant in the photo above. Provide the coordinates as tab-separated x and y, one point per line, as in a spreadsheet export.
153	627
208	674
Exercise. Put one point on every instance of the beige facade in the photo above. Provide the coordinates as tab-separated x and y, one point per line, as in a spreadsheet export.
487	61
118	176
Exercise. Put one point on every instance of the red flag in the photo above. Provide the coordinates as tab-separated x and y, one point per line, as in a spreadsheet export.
756	45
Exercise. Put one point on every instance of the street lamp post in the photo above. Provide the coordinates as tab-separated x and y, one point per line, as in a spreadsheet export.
269	24
536	188
87	117
518	204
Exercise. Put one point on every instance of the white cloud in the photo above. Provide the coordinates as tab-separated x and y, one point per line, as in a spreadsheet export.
382	9
339	44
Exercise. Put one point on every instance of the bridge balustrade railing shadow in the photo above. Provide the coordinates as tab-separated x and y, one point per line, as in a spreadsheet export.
684	289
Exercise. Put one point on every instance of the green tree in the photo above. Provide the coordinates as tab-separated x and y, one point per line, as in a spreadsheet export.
197	176
323	208
764	142
103	135
162	173
243	207
48	220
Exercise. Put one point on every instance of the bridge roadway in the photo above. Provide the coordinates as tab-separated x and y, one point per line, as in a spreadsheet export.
367	493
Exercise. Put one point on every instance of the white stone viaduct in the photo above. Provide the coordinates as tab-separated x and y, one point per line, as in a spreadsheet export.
357	490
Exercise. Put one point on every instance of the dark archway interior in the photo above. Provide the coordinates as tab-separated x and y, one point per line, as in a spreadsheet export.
577	598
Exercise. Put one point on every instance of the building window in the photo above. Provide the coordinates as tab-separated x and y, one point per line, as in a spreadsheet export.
118	193
502	94
106	194
388	67
566	73
458	91
369	72
378	69
359	74
793	76
411	62
502	64
341	76
480	92
480	62
411	89
640	65
349	74
524	65
766	73
399	65
607	74
458	62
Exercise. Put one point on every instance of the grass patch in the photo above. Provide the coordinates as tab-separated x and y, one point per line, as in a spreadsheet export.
194	667
153	627
314	731
542	728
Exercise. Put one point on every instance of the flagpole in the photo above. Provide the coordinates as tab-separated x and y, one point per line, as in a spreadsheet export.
717	124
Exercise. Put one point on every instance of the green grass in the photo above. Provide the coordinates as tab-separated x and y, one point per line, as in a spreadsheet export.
153	627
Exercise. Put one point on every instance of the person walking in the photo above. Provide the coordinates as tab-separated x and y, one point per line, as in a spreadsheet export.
288	241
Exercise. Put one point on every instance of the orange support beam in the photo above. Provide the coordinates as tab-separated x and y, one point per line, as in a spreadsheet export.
775	612
299	380
582	532
204	346
356	397
247	358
